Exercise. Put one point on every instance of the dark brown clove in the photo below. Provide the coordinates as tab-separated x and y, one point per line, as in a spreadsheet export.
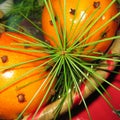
4	58
104	35
51	22
96	4
21	98
72	11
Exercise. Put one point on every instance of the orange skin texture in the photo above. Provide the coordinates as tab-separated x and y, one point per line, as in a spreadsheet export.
10	106
74	29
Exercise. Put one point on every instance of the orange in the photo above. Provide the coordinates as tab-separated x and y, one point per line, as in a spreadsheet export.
74	17
15	97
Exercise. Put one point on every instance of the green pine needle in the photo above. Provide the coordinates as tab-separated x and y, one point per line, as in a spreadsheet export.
66	63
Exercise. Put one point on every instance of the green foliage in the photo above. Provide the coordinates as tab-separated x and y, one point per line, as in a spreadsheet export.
117	112
118	1
1	1
30	8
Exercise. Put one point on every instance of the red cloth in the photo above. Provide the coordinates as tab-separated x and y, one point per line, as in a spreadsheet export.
99	109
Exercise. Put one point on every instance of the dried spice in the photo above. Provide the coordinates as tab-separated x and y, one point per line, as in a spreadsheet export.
104	35
72	11
4	58
51	22
21	98
96	4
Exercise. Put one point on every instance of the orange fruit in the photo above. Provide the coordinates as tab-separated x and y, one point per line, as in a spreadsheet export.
15	97
75	18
